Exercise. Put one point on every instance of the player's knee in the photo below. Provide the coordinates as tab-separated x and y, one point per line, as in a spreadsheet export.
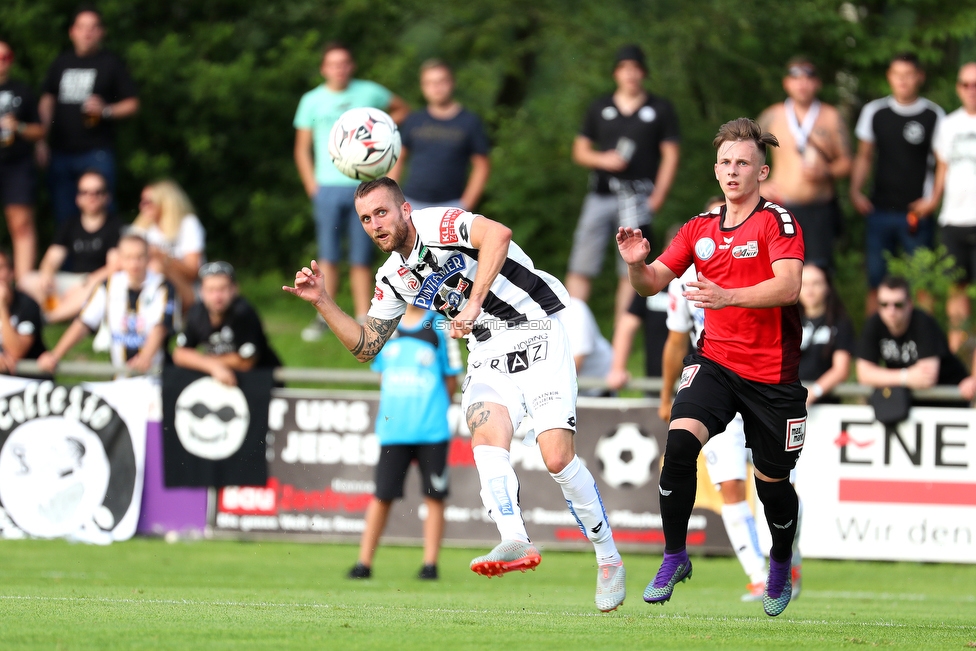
777	496
681	452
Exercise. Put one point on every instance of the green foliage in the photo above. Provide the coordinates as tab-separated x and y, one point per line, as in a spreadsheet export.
931	275
220	80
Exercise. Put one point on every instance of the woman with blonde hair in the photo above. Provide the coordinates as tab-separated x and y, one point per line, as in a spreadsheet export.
175	235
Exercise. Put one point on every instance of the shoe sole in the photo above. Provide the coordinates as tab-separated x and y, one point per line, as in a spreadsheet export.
610	610
662	600
497	568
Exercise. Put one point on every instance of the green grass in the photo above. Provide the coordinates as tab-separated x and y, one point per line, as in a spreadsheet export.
146	594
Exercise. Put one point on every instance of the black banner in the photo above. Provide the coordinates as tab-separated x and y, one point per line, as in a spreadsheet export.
213	434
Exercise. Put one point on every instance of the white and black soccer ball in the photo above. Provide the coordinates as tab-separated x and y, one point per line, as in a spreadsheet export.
627	456
364	143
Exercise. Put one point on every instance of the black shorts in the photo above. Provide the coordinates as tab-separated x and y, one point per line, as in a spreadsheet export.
395	460
960	242
17	180
774	415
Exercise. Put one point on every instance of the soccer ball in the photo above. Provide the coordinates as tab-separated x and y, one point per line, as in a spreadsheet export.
364	143
626	456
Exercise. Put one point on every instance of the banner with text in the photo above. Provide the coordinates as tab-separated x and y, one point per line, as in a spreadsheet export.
322	455
72	458
903	493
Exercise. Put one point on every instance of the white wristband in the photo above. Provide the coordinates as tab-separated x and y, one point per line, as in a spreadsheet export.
904	377
817	390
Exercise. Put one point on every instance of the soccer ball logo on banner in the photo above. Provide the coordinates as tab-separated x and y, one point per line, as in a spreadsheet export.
364	143
627	456
211	419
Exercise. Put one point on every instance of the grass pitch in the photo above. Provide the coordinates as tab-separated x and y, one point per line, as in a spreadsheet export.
147	594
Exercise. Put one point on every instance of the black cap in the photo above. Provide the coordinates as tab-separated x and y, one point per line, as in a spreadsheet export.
631	53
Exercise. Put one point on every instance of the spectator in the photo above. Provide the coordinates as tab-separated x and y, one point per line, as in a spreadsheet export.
908	342
814	153
329	189
19	127
85	92
895	133
136	305
828	335
176	237
20	321
592	353
420	368
442	141
82	247
227	327
955	172
630	142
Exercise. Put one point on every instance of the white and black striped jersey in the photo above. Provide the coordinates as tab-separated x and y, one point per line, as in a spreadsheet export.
440	270
131	314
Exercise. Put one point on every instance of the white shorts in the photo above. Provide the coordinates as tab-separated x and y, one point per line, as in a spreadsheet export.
529	372
726	454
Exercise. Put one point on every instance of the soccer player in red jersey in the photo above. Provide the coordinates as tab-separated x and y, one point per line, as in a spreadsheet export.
749	257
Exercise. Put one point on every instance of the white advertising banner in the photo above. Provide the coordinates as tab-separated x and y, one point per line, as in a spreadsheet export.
905	493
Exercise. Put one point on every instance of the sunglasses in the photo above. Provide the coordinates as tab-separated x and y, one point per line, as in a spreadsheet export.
90	193
898	305
217	268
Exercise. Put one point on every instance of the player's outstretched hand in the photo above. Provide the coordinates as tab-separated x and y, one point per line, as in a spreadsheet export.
708	295
633	246
309	284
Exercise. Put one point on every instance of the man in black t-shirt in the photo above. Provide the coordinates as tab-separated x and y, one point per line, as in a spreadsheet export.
19	128
78	259
227	327
902	346
446	145
899	128
630	141
85	91
20	321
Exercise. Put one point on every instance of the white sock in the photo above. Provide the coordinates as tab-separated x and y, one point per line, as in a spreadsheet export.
796	539
584	502
499	491
740	525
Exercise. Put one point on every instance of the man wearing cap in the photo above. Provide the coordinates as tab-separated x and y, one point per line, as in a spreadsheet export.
814	153
227	327
630	142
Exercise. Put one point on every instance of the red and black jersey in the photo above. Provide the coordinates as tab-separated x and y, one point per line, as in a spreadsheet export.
759	344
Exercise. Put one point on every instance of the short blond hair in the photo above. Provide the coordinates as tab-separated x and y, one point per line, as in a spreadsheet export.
173	204
743	129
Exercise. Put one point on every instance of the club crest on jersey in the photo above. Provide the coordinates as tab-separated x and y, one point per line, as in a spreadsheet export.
705	248
749	250
432	284
796	432
448	236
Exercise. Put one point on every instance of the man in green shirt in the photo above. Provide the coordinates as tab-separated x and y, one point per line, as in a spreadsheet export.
331	191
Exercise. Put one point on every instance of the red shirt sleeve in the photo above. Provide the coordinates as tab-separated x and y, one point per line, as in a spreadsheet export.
784	237
677	257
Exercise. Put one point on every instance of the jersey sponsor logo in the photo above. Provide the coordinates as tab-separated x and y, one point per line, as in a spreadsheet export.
688	376
914	132
647	114
448	236
378	294
705	248
796	432
726	243
608	113
748	250
434	283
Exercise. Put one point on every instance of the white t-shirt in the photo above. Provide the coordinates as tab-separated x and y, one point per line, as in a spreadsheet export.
683	316
955	145
191	238
585	339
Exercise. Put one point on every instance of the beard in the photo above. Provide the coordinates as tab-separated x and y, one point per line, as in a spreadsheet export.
397	236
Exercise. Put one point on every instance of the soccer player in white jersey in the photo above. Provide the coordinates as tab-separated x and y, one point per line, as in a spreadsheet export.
467	267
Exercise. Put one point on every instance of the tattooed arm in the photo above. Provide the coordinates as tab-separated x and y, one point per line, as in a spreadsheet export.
364	342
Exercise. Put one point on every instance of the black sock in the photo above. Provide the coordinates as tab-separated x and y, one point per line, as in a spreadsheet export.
679	484
782	509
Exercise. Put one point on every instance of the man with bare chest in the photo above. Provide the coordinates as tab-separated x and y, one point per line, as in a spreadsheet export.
814	154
